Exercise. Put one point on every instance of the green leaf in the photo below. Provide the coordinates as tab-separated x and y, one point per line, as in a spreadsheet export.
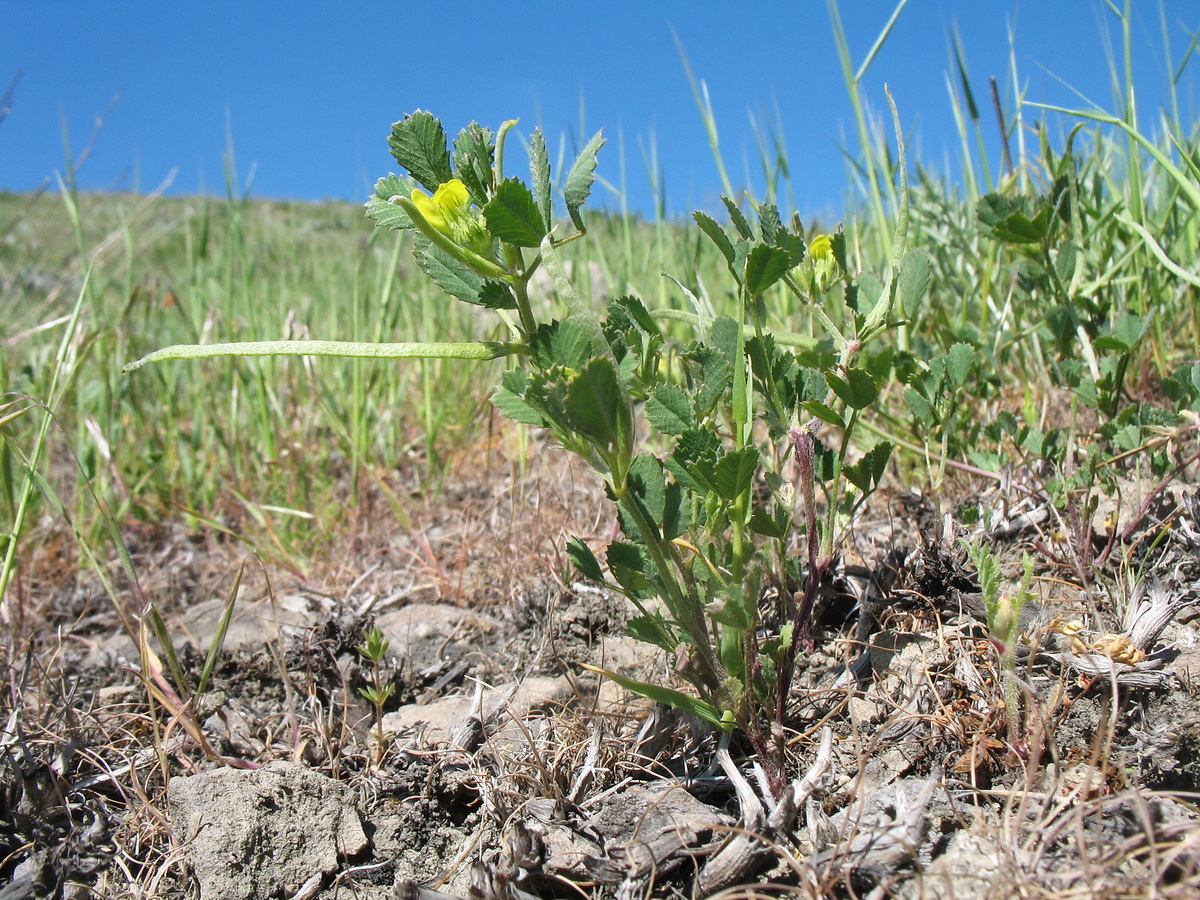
915	273
659	694
1126	333
959	361
770	525
496	295
716	234
661	501
1009	221
560	343
920	407
738	219
579	180
382	211
451	276
734	474
865	292
419	144
823	412
474	150
857	391
630	564
716	377
652	629
513	216
764	266
509	398
669	409
585	561
593	402
539	173
869	471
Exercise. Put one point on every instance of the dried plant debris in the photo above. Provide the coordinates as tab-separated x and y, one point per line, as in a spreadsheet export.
924	760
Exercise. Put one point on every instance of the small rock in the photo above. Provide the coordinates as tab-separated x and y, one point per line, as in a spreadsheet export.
442	721
258	834
968	870
421	632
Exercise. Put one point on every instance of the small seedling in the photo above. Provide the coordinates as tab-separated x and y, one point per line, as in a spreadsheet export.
372	649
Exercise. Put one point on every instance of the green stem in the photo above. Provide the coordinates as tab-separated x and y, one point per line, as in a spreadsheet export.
363	349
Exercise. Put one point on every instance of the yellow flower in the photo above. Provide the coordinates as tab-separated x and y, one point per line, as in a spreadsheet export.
449	211
819	270
448	205
821	247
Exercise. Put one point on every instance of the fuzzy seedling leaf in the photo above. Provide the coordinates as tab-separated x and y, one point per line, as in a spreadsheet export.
858	390
585	561
669	409
419	144
539	174
716	234
513	216
579	180
474	150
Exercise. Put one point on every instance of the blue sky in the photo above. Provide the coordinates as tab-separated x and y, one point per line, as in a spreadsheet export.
309	90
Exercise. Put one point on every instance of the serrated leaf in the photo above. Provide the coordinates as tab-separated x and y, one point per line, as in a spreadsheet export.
740	224
539	176
734	473
510	400
474	152
676	699
716	234
496	295
959	361
593	400
1007	220
512	215
585	561
918	405
382	211
915	273
419	144
716	376
451	275
669	409
764	266
560	343
579	180
857	390
652	629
